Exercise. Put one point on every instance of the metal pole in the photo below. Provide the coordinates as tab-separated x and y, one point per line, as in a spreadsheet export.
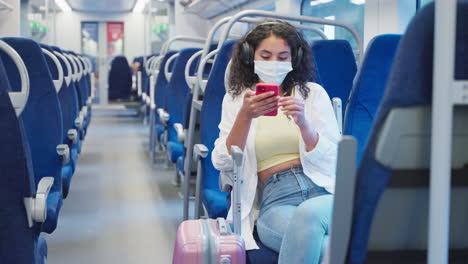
441	137
312	20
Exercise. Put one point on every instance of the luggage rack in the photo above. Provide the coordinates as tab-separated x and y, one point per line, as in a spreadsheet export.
4	6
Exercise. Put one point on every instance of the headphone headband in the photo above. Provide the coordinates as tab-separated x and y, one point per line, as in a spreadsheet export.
276	22
248	51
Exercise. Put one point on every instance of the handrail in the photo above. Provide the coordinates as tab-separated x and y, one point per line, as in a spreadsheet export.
223	21
269	14
148	62
67	64
300	26
154	64
167	44
79	66
85	65
18	99
57	83
201	67
74	66
168	74
189	65
90	63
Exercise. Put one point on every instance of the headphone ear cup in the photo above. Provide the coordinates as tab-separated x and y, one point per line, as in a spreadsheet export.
246	53
298	57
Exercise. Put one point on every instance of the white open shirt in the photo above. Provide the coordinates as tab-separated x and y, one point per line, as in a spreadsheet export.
318	164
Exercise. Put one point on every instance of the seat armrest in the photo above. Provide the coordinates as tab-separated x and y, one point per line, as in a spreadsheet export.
180	132
200	151
79	122
163	116
84	111
72	135
36	208
238	157
337	108
64	151
343	204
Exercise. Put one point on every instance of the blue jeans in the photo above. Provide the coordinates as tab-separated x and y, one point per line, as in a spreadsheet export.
294	216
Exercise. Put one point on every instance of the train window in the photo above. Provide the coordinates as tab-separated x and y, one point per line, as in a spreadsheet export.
348	11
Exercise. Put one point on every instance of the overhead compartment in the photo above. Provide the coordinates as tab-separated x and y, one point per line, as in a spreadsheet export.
210	8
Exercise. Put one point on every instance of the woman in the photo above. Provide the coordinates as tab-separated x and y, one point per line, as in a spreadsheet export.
289	167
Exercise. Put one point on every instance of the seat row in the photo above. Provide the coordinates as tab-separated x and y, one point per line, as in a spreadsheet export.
175	99
182	101
45	96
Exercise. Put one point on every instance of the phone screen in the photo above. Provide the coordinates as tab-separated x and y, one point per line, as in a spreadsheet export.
265	87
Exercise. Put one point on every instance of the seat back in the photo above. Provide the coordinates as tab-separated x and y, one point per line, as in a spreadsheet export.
210	117
82	82
76	83
63	95
335	67
17	240
391	194
160	90
368	88
120	79
73	103
178	90
42	120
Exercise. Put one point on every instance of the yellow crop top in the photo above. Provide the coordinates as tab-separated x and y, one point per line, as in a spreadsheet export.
276	140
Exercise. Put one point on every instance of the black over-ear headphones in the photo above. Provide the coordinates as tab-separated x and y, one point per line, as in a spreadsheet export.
248	52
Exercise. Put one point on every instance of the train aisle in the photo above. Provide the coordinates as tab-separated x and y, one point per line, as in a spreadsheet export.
120	209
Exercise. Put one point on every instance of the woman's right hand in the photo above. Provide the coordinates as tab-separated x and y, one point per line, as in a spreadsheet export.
258	105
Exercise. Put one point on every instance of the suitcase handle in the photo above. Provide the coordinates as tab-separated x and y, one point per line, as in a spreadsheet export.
238	157
224	230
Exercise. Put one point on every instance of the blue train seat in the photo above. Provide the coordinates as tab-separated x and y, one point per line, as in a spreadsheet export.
20	212
335	67
368	89
177	94
74	106
388	219
17	239
214	200
66	107
42	122
120	79
160	91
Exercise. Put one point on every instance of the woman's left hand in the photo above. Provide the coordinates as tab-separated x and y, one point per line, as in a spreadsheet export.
293	107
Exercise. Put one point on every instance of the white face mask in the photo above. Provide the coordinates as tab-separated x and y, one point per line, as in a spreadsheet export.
272	72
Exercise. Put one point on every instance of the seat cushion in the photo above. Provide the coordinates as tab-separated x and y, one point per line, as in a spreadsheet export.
54	203
215	202
180	164
159	129
41	251
73	157
263	255
175	150
67	173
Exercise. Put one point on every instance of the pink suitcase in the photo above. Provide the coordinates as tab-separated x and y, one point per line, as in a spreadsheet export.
211	241
208	241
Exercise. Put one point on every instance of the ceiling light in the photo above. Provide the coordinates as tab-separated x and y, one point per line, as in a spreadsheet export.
358	2
140	6
318	2
63	5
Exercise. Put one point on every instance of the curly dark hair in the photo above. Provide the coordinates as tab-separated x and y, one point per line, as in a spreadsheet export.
242	76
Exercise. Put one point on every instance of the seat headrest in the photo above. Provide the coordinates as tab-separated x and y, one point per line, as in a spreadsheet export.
335	67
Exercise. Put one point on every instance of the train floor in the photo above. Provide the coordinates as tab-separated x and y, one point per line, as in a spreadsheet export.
121	208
